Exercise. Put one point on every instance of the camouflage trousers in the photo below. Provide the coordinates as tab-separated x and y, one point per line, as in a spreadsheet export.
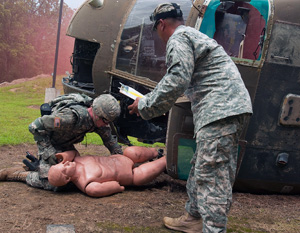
39	178
213	171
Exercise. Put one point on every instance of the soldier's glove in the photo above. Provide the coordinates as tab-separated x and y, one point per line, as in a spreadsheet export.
31	162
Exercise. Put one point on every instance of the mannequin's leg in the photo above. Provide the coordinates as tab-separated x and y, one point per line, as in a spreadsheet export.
139	154
148	171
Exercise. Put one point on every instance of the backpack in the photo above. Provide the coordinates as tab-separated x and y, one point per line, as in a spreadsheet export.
65	101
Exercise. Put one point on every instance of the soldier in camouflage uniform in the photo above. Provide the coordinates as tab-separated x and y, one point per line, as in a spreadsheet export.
72	116
200	69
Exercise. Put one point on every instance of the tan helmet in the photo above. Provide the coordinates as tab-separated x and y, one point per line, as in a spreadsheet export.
106	106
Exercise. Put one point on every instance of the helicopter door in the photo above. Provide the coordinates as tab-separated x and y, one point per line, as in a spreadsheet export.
239	26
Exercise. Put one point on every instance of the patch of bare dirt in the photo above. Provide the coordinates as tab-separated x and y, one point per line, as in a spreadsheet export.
21	80
137	209
34	106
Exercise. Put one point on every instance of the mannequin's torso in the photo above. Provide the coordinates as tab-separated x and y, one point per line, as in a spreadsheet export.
102	169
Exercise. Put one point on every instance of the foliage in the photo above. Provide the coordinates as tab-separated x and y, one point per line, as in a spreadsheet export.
28	32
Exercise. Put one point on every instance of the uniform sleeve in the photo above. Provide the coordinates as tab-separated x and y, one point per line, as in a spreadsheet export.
109	140
43	127
62	121
180	62
38	130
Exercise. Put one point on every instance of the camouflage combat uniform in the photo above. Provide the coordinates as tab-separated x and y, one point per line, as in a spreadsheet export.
200	68
66	126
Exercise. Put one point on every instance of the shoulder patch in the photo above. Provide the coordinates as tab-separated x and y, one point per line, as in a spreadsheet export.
56	122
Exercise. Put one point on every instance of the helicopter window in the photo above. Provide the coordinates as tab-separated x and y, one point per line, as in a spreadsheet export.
141	52
238	26
82	60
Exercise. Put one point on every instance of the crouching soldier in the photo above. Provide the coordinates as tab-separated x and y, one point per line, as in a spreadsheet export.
71	117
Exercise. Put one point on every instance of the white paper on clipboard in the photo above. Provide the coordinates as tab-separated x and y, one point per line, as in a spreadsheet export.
130	92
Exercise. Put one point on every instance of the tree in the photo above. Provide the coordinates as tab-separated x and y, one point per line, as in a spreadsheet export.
28	38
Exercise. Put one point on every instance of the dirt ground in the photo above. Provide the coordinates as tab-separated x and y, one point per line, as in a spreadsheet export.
137	209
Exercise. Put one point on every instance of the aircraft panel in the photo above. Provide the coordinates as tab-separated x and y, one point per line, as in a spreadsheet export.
284	46
267	139
287	10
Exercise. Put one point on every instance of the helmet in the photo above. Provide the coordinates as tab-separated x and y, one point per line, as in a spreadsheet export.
106	106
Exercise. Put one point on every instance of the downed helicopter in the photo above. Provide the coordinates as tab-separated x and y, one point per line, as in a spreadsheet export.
114	44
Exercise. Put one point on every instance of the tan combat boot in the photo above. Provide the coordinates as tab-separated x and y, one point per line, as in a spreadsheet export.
13	174
185	223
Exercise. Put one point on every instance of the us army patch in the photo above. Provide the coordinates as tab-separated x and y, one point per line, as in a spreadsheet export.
56	122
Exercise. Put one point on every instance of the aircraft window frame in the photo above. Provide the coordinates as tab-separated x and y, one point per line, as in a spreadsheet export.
261	6
140	50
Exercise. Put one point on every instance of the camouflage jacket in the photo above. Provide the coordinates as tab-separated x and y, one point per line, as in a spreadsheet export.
199	68
68	125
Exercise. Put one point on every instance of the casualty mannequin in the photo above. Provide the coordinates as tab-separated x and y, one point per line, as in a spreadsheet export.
99	176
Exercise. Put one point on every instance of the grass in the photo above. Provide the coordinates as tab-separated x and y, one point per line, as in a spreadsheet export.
20	105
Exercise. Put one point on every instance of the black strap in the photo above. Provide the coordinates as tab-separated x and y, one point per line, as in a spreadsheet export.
170	14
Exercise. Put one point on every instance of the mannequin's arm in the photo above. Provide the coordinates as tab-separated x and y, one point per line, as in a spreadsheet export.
96	189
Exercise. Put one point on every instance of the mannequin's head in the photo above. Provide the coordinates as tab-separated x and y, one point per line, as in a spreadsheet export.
61	174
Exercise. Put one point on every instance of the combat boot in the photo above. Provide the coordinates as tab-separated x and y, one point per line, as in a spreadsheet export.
13	174
185	223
